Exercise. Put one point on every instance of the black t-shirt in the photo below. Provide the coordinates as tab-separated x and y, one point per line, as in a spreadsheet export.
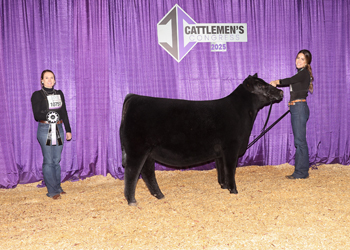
41	107
299	84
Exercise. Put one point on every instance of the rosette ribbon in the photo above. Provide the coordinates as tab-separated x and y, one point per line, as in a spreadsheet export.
53	135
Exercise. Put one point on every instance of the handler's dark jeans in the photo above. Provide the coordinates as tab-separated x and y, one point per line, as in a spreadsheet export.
51	162
299	116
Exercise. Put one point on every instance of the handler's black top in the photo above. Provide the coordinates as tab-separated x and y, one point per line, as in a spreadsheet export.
40	106
299	84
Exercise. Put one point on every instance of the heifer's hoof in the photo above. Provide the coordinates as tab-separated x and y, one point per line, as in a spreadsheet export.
133	204
233	191
159	196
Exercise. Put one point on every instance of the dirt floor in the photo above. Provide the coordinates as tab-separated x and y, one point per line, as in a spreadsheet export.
269	212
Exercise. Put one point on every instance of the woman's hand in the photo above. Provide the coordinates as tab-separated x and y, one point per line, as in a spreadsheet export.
275	83
68	136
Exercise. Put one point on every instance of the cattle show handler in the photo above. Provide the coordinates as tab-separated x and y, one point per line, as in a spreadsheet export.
299	86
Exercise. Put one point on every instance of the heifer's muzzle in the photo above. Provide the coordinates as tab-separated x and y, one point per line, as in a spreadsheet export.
276	95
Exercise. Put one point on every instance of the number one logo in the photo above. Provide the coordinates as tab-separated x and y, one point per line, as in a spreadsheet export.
171	33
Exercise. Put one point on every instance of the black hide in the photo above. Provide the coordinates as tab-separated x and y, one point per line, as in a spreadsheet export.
183	133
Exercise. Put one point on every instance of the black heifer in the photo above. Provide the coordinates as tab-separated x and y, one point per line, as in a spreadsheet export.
182	133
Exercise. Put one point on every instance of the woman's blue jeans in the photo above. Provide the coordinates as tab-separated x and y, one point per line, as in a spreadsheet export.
299	116
51	163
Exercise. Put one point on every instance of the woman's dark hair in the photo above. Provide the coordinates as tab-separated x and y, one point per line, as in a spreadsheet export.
43	73
308	58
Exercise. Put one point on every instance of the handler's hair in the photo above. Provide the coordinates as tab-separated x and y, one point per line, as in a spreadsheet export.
42	75
308	58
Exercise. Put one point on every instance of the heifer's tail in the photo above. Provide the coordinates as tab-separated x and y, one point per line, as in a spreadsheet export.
122	144
123	157
126	104
125	108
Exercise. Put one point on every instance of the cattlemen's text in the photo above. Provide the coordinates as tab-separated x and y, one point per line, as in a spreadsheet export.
211	29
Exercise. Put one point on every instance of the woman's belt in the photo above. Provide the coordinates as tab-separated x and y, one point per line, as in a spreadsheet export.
295	101
59	122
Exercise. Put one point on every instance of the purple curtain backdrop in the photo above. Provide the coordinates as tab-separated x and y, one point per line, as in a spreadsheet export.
101	50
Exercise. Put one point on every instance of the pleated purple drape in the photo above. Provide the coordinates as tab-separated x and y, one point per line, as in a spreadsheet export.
100	50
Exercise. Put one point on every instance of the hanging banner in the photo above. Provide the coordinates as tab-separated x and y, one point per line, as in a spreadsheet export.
178	33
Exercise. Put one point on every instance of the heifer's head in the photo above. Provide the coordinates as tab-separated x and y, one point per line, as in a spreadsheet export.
265	92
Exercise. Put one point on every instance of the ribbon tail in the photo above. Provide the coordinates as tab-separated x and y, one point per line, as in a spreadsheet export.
59	138
53	133
48	139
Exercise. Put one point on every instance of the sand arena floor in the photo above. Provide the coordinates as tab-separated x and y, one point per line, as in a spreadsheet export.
269	212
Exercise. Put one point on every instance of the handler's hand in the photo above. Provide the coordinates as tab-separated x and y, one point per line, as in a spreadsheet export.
68	136
275	83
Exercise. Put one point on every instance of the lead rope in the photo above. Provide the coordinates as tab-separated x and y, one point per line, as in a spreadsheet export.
268	116
266	130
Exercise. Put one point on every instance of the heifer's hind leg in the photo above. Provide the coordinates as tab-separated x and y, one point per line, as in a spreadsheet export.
149	177
221	172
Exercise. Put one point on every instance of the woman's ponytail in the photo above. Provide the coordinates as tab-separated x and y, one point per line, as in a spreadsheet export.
311	86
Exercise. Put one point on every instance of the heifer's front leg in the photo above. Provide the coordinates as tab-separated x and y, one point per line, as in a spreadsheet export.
230	164
221	172
149	177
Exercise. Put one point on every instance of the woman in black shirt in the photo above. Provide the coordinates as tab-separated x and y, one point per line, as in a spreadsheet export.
49	109
299	85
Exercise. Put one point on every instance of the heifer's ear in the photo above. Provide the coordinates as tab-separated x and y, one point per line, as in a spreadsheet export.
256	75
249	83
